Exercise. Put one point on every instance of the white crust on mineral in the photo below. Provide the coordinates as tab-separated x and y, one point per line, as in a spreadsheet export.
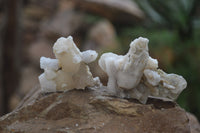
136	74
69	70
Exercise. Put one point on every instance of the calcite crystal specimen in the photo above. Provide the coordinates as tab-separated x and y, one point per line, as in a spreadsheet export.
136	74
69	70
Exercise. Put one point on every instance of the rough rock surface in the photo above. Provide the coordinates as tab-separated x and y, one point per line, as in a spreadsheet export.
194	124
89	111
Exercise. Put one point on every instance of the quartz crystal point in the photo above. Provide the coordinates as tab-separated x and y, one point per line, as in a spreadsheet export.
136	74
69	70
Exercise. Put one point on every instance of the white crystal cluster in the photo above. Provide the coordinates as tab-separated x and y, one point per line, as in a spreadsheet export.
136	74
69	70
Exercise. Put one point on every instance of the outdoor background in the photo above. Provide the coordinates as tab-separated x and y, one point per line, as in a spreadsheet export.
29	28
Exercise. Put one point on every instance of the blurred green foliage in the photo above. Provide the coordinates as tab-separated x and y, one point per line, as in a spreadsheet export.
173	14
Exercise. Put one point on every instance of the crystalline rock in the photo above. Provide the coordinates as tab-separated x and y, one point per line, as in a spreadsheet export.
134	75
69	70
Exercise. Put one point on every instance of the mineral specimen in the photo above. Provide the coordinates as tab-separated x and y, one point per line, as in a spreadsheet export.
136	74
69	70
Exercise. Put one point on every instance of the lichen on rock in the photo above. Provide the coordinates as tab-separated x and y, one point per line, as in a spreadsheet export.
136	75
69	70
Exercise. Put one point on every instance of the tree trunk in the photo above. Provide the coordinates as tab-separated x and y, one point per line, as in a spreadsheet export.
10	50
1	86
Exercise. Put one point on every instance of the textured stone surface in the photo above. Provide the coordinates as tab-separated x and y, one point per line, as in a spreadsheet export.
89	111
194	124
